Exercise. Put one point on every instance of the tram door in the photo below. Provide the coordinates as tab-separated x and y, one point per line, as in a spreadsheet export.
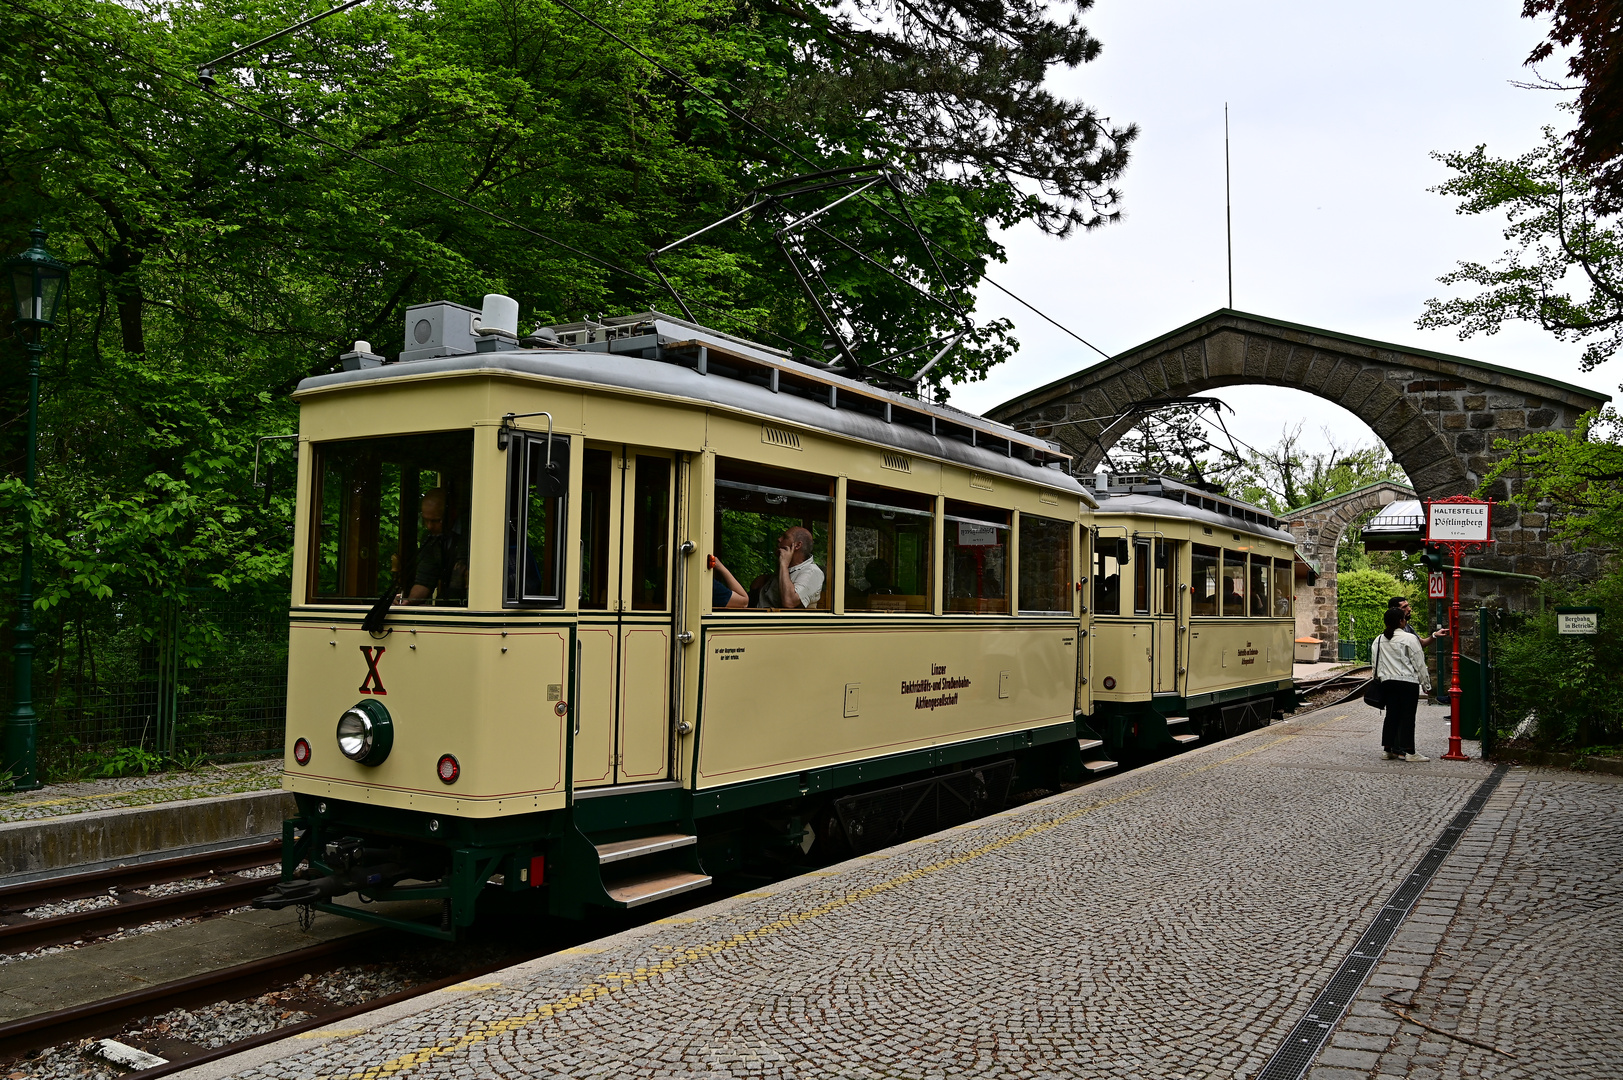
1169	643
626	627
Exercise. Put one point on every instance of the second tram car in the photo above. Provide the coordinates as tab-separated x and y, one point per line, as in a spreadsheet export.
582	620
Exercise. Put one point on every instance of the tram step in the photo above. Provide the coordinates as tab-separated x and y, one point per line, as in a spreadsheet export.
1099	766
1089	744
1177	721
1186	738
646	888
620	850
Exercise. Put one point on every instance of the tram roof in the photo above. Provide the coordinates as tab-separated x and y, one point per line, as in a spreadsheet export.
658	354
1163	496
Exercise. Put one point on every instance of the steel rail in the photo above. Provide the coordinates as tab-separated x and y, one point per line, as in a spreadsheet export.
20	933
239	980
136	875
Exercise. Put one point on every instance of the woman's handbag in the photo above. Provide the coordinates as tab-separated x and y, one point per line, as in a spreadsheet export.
1372	693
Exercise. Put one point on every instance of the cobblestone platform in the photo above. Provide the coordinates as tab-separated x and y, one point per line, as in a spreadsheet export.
1170	922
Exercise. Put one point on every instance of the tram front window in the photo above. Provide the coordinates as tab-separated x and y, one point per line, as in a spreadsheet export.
888	543
391	515
977	559
761	512
1045	566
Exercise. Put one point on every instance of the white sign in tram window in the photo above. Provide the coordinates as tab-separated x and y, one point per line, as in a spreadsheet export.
1582	623
971	534
1467	522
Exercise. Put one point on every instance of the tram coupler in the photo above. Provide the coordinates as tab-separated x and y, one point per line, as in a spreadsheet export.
352	866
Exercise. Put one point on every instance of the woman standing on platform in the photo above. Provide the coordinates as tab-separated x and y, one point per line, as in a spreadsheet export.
1400	665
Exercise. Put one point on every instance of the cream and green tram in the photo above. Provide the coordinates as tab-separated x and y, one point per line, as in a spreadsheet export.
520	671
1191	615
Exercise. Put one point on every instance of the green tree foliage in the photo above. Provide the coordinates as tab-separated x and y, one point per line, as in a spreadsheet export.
1576	477
227	245
1561	234
1589	29
1286	476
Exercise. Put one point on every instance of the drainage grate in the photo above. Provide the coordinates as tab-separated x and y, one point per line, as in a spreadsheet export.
1302	1045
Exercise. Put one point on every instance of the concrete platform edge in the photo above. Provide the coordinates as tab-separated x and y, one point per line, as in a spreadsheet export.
30	849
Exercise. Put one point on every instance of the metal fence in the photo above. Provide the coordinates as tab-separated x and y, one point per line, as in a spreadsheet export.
1353	650
206	678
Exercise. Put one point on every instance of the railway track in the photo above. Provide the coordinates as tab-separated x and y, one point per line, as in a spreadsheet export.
20	933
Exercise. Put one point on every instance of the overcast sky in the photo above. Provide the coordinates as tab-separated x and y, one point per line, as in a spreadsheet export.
1333	112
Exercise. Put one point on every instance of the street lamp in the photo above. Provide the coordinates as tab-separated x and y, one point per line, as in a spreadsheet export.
37	284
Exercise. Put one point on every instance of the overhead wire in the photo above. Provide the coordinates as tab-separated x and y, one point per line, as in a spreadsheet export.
753	126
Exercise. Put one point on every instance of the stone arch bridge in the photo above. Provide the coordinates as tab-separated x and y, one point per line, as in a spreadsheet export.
1439	415
1318	528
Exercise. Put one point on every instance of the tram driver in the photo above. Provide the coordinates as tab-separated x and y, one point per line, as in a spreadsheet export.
799	580
442	558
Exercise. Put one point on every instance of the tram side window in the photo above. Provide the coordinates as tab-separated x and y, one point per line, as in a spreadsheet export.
1203	580
889	539
1106	575
756	507
391	515
1233	583
1284	587
1260	565
651	533
596	475
1141	577
1166	557
977	559
535	516
1045	566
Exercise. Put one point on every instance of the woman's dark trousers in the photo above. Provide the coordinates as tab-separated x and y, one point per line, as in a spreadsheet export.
1397	734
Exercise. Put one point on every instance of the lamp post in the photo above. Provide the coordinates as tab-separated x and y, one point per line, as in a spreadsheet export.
37	284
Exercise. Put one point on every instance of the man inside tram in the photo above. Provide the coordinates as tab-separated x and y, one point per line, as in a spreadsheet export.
442	557
799	581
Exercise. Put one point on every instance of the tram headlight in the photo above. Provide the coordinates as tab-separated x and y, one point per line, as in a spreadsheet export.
365	733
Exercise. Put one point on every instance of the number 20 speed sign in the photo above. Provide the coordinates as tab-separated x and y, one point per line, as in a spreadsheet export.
1459	522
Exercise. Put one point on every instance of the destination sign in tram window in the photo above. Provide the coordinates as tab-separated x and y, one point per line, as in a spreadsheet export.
755	507
889	538
1045	566
392	514
977	564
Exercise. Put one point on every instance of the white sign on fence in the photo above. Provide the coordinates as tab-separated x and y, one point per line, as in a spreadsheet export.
1586	622
1436	585
1464	522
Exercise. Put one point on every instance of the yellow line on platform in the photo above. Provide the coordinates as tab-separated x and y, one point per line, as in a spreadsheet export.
608	983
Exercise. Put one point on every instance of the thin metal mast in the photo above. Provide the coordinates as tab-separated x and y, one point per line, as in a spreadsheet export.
1228	210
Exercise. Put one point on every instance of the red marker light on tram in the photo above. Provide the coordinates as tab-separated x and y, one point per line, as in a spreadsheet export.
301	752
449	770
1110	683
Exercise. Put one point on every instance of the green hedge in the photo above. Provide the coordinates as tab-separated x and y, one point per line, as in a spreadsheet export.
1363	595
1566	683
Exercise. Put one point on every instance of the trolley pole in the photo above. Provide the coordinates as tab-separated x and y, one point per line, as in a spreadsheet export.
1457	523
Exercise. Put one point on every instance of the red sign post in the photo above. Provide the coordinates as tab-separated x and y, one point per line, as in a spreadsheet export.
1456	523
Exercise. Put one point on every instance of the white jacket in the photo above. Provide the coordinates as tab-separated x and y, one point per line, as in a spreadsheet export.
1400	659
